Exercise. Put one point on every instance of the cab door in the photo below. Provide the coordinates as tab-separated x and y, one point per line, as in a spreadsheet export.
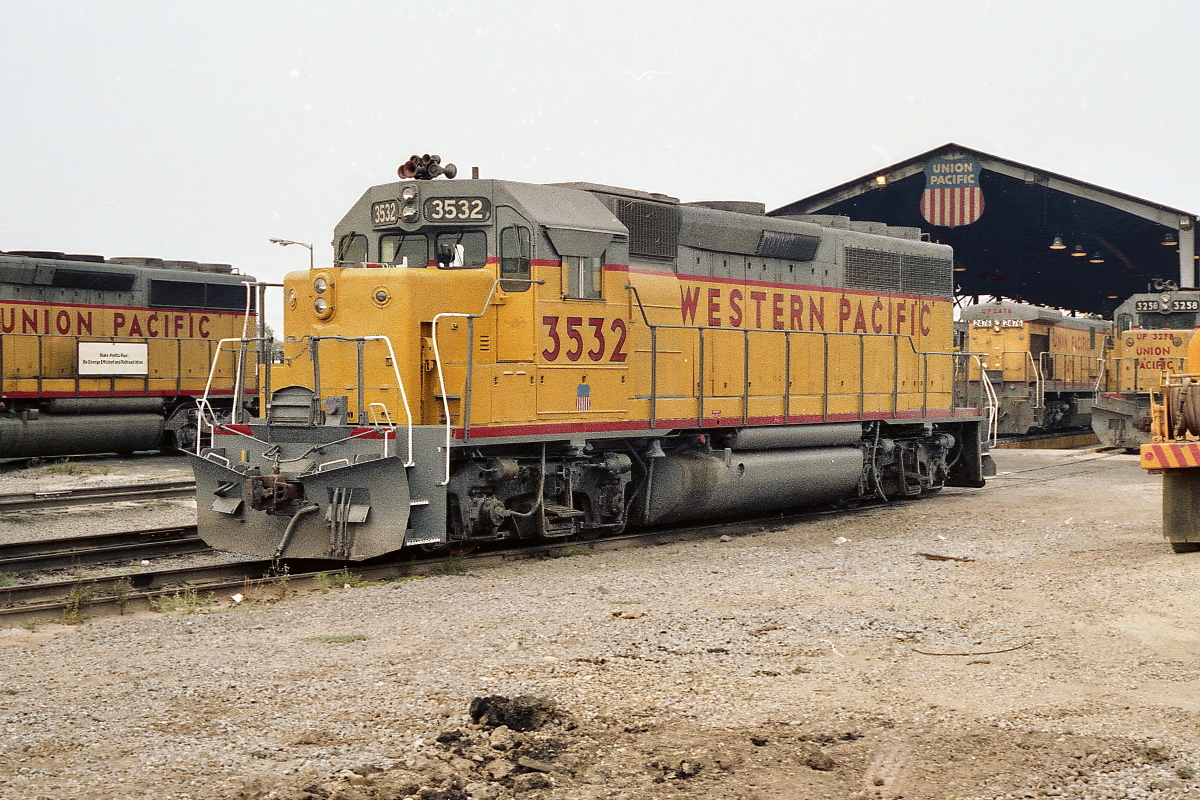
514	295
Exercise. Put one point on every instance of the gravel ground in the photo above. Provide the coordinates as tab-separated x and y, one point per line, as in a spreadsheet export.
61	474
823	659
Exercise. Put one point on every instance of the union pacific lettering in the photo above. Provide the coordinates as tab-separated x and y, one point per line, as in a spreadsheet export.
769	309
22	318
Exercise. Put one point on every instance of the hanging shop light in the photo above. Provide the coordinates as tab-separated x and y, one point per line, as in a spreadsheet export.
1057	244
1079	252
1096	258
1169	240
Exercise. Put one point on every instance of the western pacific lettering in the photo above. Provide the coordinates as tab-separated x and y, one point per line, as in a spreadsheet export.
779	311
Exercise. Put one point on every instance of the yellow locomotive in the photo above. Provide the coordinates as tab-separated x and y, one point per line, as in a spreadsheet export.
490	359
1043	366
111	355
1153	332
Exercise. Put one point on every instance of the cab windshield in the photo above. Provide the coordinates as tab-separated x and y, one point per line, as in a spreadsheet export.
1177	321
406	249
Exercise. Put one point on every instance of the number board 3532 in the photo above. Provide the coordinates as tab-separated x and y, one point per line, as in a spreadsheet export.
458	209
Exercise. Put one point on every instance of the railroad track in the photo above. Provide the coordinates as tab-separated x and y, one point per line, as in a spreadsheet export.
74	552
57	599
49	599
41	501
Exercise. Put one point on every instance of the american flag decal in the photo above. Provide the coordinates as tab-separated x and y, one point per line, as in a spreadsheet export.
583	397
952	195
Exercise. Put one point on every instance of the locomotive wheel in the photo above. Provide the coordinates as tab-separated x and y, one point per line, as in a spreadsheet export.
1185	547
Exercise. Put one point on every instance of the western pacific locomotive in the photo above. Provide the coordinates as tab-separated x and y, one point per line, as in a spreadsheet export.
111	355
488	360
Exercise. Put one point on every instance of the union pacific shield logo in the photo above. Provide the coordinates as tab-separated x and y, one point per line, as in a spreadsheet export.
952	195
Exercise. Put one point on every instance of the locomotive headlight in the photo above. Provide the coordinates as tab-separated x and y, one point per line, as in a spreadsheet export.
320	306
408	212
291	298
408	193
320	285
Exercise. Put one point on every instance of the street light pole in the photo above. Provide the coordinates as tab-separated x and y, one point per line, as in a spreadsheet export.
286	242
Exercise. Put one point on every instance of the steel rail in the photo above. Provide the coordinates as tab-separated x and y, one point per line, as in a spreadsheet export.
69	552
31	501
113	588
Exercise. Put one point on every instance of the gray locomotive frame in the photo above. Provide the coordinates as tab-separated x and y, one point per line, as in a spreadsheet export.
302	483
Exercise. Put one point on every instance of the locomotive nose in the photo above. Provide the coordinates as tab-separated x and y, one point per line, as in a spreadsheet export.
346	511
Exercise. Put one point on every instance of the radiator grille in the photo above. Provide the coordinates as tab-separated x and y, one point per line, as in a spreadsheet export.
893	272
926	275
872	269
653	229
792	246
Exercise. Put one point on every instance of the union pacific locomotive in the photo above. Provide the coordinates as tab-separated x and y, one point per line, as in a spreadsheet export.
1153	331
1044	367
112	355
489	360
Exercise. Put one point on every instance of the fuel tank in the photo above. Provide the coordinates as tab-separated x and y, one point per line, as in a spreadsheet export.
699	485
27	436
783	437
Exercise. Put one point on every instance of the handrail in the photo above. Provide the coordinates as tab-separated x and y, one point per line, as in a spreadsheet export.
861	337
700	329
437	358
361	388
1039	386
208	415
391	427
993	403
203	405
637	296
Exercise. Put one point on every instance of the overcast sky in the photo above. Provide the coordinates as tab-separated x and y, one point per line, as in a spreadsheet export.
198	131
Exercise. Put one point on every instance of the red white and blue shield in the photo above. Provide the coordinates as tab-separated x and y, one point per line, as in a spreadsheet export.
952	194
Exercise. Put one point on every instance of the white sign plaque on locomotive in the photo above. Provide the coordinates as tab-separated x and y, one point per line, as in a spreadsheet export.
106	358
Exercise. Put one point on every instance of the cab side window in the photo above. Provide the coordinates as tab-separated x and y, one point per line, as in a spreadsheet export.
461	250
411	249
515	254
1124	322
352	248
584	275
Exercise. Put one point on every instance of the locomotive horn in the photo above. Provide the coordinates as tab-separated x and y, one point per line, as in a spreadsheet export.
436	169
425	168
